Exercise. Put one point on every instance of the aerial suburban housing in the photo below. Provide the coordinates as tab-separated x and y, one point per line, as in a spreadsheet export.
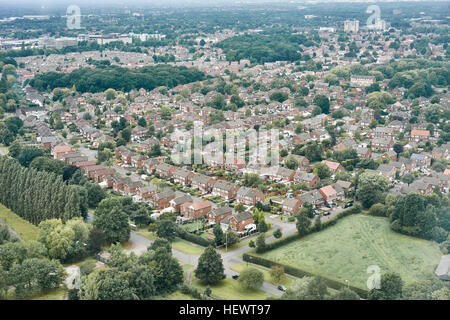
224	150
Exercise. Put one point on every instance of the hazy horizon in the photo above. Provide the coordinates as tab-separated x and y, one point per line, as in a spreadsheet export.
61	3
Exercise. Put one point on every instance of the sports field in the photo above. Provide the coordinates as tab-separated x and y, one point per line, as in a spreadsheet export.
345	251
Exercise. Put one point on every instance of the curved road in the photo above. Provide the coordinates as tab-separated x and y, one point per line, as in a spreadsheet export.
140	243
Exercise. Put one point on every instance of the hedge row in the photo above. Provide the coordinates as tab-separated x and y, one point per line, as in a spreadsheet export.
285	240
183	234
296	272
191	291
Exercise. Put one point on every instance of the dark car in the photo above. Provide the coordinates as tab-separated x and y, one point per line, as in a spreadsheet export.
348	204
235	276
282	288
326	213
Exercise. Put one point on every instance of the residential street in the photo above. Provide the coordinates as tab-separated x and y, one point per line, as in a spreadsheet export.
139	244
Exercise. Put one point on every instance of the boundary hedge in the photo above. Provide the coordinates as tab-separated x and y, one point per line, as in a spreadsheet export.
285	240
183	234
296	272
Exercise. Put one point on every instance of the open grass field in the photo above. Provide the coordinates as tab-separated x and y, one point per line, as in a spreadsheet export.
23	228
345	251
228	289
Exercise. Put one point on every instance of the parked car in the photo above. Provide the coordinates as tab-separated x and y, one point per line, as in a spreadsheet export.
316	212
282	288
326	213
348	205
235	277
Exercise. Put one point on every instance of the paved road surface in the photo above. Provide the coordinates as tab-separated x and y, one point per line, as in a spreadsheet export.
140	243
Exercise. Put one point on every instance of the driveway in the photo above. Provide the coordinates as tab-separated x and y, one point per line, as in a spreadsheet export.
333	213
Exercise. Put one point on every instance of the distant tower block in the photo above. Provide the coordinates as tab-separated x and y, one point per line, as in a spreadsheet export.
351	26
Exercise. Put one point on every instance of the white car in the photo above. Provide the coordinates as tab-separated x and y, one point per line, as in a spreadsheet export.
250	227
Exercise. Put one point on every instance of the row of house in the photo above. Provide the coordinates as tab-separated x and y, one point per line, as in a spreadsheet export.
330	195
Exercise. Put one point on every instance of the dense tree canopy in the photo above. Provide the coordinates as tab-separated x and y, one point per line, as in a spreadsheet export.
101	79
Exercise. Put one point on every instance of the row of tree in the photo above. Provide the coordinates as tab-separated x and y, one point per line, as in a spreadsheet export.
37	195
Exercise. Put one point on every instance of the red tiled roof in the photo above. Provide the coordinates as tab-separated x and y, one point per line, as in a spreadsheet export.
420	133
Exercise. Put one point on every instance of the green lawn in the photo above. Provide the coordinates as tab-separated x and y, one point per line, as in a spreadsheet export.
345	251
186	266
187	247
177	244
192	226
147	234
285	281
24	229
228	289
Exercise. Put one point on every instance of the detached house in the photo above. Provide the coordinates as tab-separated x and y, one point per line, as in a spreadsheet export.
364	153
182	176
131	187
58	152
333	166
225	190
332	193
195	210
284	174
147	192
162	200
237	221
308	179
249	196
137	161
218	214
346	186
291	206
202	182
382	143
165	170
313	197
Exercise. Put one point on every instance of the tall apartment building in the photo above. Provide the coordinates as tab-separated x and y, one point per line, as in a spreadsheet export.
351	26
